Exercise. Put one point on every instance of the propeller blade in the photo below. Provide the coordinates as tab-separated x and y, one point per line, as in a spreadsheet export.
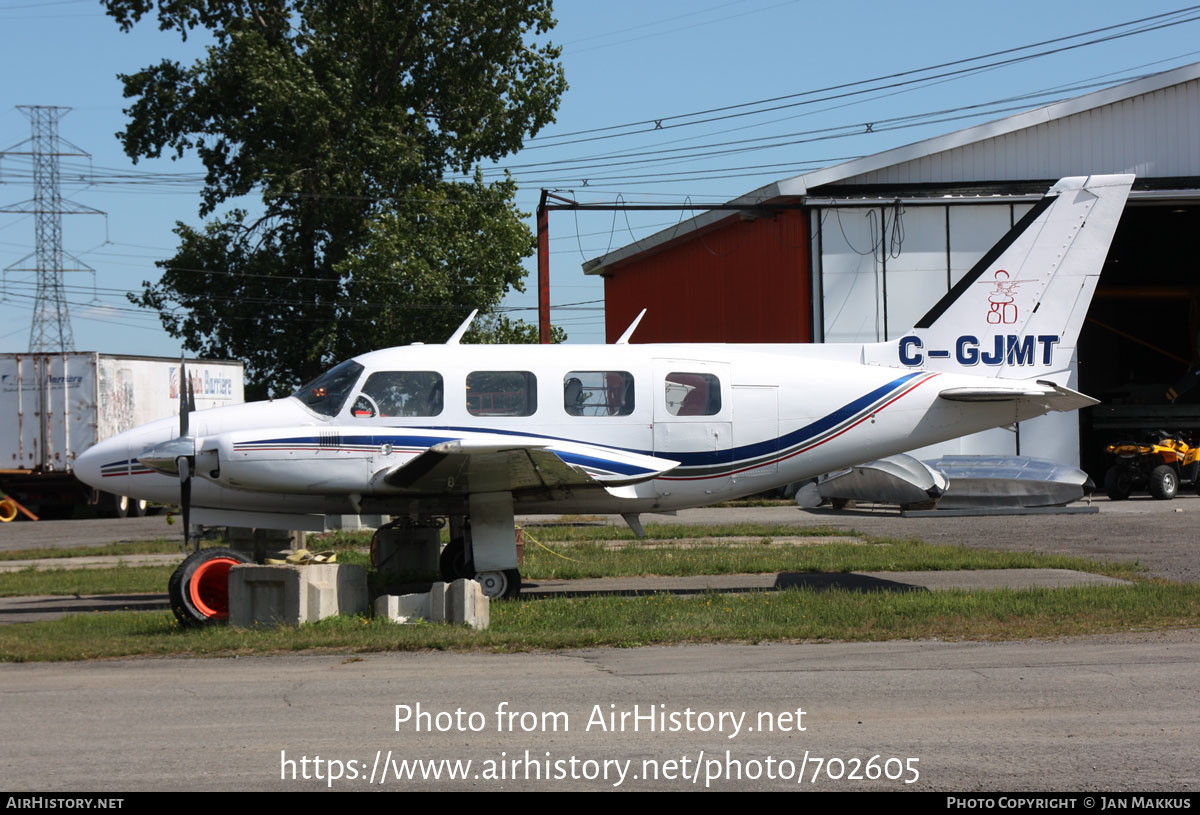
183	463
183	401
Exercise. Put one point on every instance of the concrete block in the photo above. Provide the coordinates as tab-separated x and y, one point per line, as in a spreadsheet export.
466	603
291	595
462	601
403	608
437	603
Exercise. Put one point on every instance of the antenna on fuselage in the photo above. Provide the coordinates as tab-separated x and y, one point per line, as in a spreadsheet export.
462	329
624	338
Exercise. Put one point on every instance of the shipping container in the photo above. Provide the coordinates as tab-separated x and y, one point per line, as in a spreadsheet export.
55	406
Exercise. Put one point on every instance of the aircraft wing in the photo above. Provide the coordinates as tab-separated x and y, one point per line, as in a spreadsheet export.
464	466
1046	395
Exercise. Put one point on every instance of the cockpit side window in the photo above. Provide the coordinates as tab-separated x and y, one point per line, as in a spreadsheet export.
501	393
328	392
400	393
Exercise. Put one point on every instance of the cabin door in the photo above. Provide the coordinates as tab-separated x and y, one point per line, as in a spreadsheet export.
755	438
693	425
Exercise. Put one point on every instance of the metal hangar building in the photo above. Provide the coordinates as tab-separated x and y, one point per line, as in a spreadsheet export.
859	251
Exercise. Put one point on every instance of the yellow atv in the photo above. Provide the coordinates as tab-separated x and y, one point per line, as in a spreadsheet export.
1158	466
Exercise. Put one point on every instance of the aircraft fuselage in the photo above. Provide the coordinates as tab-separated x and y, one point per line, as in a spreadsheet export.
733	419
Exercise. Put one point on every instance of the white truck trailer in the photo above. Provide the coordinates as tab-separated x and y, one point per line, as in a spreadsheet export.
55	406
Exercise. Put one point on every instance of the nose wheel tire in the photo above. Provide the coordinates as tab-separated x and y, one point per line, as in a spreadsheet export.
199	588
455	565
113	506
500	585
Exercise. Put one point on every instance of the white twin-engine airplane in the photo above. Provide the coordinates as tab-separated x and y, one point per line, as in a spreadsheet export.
477	432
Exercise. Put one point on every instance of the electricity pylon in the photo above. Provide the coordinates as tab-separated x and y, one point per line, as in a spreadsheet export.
50	330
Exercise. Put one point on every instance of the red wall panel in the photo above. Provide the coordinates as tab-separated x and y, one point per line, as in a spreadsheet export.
737	282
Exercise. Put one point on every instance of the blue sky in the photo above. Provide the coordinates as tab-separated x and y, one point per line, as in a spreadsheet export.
626	62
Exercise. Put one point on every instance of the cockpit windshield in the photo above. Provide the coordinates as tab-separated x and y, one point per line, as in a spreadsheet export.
328	392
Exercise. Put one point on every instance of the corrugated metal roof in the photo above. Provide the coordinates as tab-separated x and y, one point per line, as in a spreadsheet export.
1147	127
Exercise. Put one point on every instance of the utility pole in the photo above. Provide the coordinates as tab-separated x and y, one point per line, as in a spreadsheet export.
50	330
545	330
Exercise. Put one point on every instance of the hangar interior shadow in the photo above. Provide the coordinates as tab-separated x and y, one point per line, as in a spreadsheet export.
1140	337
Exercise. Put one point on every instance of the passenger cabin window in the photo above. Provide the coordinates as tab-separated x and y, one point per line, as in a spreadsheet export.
400	393
693	394
328	392
501	393
598	393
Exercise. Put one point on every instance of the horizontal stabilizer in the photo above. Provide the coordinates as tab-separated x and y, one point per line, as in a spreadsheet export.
1041	393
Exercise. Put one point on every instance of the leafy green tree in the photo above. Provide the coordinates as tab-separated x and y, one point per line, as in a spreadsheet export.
344	117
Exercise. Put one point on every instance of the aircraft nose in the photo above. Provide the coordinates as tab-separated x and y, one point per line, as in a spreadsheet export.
105	466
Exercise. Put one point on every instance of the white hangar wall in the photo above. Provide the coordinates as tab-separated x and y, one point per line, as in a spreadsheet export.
1147	127
880	268
1152	134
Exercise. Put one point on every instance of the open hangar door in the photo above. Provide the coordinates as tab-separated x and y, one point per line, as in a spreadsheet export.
1139	345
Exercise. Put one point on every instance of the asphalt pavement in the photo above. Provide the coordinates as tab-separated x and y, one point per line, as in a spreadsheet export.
1116	714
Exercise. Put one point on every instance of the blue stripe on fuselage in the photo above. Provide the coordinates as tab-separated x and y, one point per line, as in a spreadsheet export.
809	431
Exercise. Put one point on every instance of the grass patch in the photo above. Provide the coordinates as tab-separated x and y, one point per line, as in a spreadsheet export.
586	551
792	615
154	547
118	580
571	553
880	555
338	541
668	531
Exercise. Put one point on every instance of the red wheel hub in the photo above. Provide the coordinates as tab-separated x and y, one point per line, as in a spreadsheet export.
209	587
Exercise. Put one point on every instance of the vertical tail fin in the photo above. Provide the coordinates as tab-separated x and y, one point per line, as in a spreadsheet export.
1018	312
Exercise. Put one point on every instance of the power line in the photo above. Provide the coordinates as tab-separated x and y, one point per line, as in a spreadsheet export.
657	122
736	146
